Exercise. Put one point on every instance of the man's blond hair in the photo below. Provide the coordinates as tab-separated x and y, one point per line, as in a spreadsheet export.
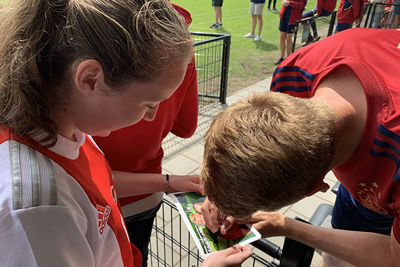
266	152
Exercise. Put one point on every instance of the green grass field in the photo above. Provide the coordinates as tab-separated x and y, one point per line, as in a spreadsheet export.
250	61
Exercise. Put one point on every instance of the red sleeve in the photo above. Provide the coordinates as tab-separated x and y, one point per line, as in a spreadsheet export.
282	11
186	121
358	6
183	12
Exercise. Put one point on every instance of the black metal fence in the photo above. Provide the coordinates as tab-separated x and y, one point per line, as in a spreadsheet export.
304	30
380	15
212	62
172	245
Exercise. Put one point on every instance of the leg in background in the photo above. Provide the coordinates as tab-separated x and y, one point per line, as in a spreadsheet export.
253	24
289	43
218	14
283	44
260	24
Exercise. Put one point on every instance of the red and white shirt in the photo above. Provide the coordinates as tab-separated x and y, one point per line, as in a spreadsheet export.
58	206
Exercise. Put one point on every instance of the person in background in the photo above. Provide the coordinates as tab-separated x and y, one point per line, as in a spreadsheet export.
289	14
324	8
256	9
217	4
349	12
69	69
273	5
379	11
333	106
137	151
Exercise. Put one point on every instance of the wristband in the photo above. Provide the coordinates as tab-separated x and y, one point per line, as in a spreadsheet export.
167	183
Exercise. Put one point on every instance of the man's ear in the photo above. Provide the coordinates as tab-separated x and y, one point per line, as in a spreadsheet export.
319	186
88	76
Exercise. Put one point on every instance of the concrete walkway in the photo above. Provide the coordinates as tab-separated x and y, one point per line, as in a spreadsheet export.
184	157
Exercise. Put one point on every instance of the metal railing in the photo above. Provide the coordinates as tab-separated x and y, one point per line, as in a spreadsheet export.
212	63
172	245
380	15
304	28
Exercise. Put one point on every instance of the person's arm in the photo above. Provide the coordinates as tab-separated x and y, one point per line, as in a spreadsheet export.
230	257
358	248
132	184
358	6
185	123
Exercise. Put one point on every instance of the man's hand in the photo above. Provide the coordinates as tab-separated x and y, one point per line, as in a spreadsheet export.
267	223
230	257
211	215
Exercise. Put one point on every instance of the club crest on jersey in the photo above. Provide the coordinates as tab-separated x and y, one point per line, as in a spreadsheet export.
103	213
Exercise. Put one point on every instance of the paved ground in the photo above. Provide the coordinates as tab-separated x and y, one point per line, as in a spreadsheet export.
184	157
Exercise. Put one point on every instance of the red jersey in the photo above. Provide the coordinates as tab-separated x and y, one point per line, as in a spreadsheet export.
328	5
296	12
64	206
349	10
371	175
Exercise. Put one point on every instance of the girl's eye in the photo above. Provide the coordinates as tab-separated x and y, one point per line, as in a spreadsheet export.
152	107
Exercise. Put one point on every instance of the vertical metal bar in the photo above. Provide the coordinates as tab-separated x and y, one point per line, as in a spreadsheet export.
332	23
295	36
225	69
373	15
163	229
368	14
180	241
157	241
172	234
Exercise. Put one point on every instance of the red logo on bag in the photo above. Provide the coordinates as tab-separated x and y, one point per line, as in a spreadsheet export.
103	213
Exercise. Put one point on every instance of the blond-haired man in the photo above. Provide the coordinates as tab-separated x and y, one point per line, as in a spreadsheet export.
336	108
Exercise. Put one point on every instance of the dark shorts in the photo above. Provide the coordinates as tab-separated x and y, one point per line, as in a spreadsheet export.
348	214
284	25
343	26
217	2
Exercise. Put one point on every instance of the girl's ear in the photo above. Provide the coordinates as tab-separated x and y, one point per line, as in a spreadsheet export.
88	76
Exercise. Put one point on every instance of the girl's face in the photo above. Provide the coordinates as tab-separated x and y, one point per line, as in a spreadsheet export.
102	113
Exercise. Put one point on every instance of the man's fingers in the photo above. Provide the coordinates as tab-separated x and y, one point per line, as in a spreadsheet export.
210	215
227	223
